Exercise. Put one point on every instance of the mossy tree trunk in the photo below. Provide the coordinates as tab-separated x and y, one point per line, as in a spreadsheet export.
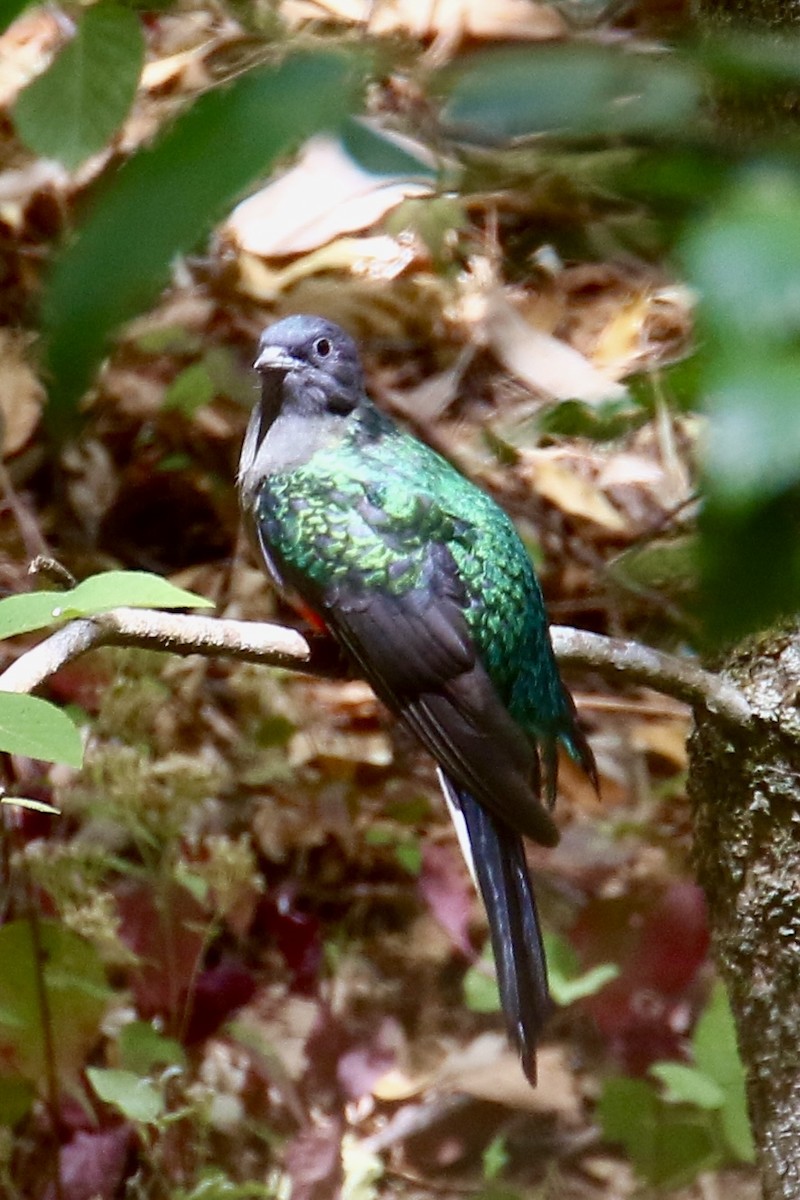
755	14
745	789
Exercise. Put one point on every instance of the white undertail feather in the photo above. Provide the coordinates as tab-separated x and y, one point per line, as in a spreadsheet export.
457	817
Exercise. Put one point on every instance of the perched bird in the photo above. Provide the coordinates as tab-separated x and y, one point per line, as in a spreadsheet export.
424	582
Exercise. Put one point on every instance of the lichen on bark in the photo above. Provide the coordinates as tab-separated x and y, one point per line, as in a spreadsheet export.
745	790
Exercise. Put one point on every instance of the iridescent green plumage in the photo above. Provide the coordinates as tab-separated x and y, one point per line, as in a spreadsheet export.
368	508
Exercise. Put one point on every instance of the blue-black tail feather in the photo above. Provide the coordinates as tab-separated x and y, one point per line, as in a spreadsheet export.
501	873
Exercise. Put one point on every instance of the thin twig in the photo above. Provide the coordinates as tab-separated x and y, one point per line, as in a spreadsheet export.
630	662
278	646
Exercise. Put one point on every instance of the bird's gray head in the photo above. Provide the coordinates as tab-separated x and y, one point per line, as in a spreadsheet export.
309	364
311	381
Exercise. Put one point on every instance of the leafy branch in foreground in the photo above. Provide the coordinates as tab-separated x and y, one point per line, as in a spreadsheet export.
34	727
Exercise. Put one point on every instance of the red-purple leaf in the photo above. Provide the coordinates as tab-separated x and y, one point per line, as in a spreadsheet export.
445	887
93	1165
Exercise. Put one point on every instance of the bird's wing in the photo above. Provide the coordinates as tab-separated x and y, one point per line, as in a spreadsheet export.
416	651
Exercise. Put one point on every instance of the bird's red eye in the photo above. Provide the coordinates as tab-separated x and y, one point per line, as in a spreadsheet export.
322	347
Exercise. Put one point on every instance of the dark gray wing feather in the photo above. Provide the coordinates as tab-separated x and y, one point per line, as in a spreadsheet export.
416	651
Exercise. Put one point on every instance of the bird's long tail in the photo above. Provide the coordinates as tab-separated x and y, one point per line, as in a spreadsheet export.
496	858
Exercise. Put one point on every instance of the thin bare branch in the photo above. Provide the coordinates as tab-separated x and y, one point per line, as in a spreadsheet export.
631	662
278	646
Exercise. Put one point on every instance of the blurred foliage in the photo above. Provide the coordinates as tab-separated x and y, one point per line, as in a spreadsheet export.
73	108
166	197
745	259
697	1120
567	982
54	970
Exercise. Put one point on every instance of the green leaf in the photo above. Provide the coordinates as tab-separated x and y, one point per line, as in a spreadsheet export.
132	589
29	610
38	729
214	1184
381	154
667	1144
98	593
570	88
190	390
567	982
481	994
687	1085
136	1098
409	856
16	1098
141	1047
716	1054
72	109
744	259
77	998
668	564
166	197
495	1158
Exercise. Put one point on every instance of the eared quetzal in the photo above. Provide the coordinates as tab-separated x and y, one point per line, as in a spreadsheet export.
424	582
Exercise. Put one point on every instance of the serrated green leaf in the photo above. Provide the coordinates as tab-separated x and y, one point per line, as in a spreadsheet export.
167	196
72	109
98	593
37	729
687	1085
136	1098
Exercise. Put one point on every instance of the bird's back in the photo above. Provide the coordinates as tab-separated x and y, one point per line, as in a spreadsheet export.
366	511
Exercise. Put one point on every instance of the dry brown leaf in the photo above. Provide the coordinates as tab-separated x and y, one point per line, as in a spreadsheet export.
667	739
375	258
187	68
571	492
487	1069
282	1022
434	395
26	48
311	745
397	1085
324	195
21	394
620	342
545	363
18	185
452	19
